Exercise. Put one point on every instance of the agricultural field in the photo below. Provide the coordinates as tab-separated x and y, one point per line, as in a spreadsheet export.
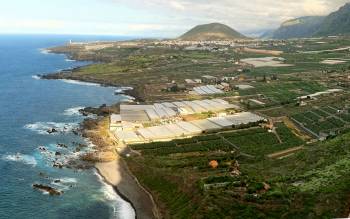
156	66
323	121
340	101
283	92
236	172
307	55
257	142
246	185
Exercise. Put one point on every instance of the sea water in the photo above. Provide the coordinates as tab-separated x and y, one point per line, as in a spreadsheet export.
28	108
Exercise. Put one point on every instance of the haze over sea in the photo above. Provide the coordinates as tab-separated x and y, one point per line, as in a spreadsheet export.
28	107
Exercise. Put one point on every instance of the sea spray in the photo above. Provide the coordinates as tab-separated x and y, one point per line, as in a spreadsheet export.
74	111
44	128
65	183
26	159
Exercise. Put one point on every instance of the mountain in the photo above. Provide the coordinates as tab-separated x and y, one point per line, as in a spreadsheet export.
337	23
298	28
213	31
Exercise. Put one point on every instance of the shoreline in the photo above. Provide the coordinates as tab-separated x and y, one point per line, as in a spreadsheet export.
115	188
116	174
64	75
112	167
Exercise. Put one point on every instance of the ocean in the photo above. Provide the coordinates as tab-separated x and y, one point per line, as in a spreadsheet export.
28	107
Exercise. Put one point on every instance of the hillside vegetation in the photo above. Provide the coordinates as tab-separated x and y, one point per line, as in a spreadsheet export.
214	31
337	23
300	27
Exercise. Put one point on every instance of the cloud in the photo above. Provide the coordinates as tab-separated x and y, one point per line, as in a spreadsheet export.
177	5
164	18
315	7
243	15
31	24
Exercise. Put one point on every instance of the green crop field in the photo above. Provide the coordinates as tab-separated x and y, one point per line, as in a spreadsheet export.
323	120
236	173
256	141
174	179
284	92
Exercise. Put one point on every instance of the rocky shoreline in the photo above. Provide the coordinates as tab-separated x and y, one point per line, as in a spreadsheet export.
108	163
66	75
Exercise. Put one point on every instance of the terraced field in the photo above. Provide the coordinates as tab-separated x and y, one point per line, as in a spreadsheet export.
264	187
284	92
327	120
257	142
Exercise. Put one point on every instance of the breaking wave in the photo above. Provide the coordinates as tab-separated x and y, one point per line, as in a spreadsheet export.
22	158
64	183
127	98
121	208
36	77
74	111
121	90
43	127
44	51
80	83
70	60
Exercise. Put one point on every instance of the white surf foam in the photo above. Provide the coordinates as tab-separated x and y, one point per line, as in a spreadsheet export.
70	60
121	208
26	159
74	111
69	180
127	98
36	77
80	83
65	183
121	90
44	51
43	127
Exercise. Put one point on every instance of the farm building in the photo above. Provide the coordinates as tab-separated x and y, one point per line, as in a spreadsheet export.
243	87
161	133
256	102
189	128
193	81
158	111
206	125
177	130
146	134
207	90
221	121
244	118
209	79
186	129
115	122
132	113
128	137
315	95
195	107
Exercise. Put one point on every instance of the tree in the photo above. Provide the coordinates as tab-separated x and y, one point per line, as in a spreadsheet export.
213	164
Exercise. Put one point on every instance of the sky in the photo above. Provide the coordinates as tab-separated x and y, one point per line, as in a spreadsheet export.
152	18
